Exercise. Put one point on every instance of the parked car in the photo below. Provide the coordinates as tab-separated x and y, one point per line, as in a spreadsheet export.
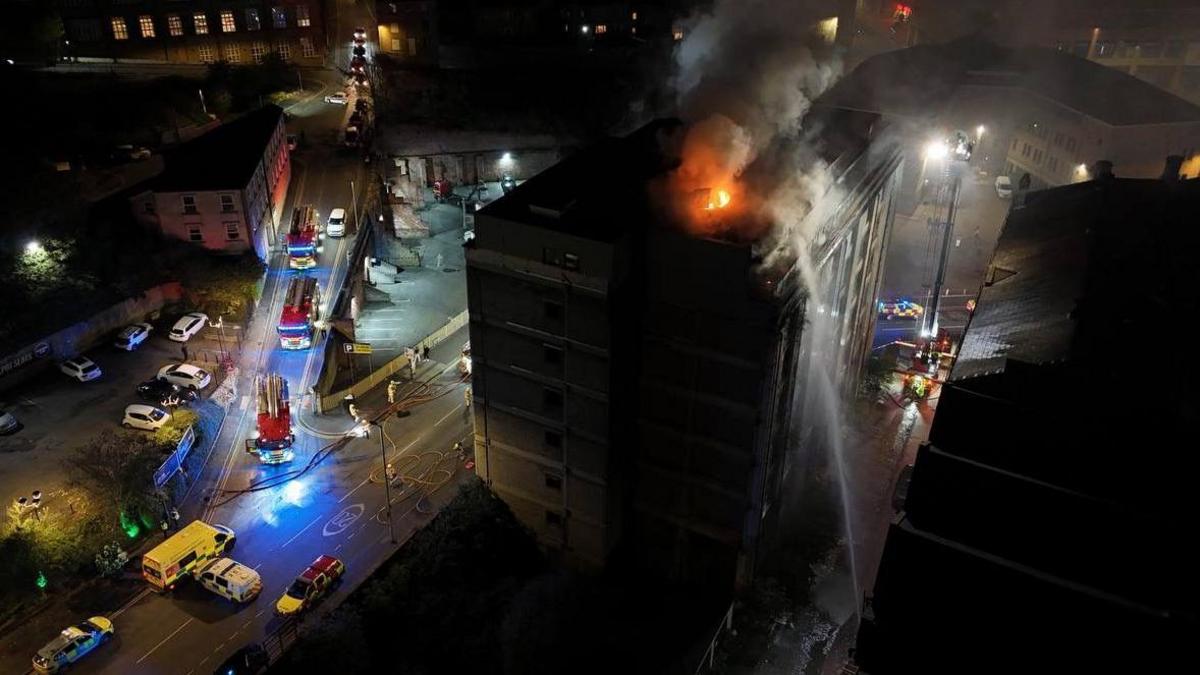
188	325
144	417
310	585
338	97
336	225
230	579
1003	187
360	79
248	660
360	33
8	423
360	41
72	644
185	375
164	393
358	63
81	368
508	183
133	335
900	309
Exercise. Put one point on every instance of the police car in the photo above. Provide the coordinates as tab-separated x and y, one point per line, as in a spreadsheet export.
72	644
900	309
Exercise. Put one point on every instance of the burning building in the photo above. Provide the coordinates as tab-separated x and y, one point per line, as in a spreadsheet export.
640	335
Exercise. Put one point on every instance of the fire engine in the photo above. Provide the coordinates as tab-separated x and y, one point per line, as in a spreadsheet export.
299	313
302	238
273	440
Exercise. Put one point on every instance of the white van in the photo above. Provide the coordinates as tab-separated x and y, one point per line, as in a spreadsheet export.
1003	187
230	579
336	225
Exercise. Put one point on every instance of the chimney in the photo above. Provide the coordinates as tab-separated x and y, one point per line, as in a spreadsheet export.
1172	168
1102	170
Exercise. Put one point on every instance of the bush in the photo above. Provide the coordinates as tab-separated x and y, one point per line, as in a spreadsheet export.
111	560
169	434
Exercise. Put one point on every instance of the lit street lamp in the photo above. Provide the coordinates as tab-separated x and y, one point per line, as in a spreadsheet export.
34	247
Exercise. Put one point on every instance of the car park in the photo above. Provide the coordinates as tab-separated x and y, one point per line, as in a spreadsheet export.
230	579
72	644
81	368
185	375
338	97
144	417
8	423
312	583
164	393
188	325
336	225
133	335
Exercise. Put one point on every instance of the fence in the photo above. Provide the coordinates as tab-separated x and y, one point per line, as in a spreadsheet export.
707	661
384	373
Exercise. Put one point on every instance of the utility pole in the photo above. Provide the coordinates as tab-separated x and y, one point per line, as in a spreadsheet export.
353	205
387	483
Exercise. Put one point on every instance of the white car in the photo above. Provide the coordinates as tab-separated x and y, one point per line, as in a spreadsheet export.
1003	187
336	225
80	368
185	375
144	417
338	97
188	325
132	336
8	423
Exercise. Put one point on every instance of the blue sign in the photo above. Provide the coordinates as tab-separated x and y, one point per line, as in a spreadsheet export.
175	461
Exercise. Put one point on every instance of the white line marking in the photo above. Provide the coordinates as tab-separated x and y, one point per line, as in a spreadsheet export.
299	533
164	640
447	415
131	603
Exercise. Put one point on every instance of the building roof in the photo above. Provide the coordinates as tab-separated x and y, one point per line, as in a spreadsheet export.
905	82
222	159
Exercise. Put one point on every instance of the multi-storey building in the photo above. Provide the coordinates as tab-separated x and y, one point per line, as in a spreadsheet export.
408	30
1044	527
223	190
195	31
637	385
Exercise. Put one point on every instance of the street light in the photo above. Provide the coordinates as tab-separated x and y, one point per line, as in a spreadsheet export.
936	150
387	484
33	247
979	132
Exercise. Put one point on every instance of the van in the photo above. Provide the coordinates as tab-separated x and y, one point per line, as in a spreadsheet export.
230	579
336	225
1003	187
191	546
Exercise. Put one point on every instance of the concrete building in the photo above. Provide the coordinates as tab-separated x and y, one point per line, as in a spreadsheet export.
1033	110
223	190
636	385
195	31
1044	526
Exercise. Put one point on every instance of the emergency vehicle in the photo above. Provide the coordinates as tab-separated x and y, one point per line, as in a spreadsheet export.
273	440
302	238
175	558
300	308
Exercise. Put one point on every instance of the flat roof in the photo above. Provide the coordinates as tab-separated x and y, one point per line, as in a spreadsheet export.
222	159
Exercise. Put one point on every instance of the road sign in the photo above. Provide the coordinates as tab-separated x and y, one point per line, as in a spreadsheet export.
357	348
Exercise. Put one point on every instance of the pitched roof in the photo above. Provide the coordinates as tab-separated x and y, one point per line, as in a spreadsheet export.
222	159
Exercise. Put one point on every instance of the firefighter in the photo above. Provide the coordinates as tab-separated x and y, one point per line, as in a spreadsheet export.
467	396
462	453
391	391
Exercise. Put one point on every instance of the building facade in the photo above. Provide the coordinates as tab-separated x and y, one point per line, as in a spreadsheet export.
637	387
223	190
408	30
195	31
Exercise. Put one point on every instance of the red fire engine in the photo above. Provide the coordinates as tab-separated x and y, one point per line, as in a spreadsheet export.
300	309
302	238
273	441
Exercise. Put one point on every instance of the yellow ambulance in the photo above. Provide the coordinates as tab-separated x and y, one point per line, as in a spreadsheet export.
173	559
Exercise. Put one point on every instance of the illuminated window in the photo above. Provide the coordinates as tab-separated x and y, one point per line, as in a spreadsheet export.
285	51
633	16
677	34
120	30
395	44
233	53
279	17
227	25
601	28
252	21
200	21
146	24
205	52
302	19
306	48
174	25
257	51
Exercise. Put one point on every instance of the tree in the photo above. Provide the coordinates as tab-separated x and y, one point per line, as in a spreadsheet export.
111	560
119	469
220	285
169	434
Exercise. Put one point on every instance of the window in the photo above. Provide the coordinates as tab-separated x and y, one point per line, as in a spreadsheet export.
252	21
677	34
206	53
279	17
570	261
552	355
233	53
395	44
194	233
553	439
553	519
552	310
257	50
189	204
187	560
552	399
306	47
554	482
412	46
200	23
601	28
148	206
146	25
120	30
233	230
302	19
174	25
633	16
227	25
227	205
285	51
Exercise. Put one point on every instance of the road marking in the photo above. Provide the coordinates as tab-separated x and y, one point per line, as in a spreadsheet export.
164	640
344	518
314	522
133	601
260	613
447	415
218	647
